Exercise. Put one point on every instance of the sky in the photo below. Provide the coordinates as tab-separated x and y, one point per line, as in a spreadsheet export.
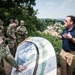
55	8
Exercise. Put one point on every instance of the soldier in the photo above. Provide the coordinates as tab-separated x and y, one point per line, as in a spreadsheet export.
2	35
12	38
4	53
17	22
21	32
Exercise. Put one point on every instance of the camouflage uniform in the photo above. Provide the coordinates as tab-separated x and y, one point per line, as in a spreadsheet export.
2	35
11	39
1	28
4	53
17	22
21	32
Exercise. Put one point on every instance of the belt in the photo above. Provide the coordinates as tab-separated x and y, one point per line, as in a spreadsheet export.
69	51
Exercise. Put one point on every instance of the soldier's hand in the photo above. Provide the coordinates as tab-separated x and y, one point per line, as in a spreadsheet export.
14	37
20	69
1	42
4	38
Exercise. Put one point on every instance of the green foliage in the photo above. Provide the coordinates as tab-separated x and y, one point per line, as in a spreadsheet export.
15	9
40	25
20	10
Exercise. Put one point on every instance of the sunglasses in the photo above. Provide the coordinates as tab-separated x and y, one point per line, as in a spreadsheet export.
65	20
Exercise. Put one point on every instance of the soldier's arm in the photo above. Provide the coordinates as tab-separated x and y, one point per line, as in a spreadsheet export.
10	33
19	32
26	32
1	40
10	59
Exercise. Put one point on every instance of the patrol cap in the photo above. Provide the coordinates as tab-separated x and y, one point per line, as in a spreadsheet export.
11	20
16	21
21	22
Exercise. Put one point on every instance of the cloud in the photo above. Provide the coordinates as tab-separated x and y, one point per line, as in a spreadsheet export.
67	4
68	1
50	4
55	9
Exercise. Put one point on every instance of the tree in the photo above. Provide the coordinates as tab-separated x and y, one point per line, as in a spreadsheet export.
11	8
18	9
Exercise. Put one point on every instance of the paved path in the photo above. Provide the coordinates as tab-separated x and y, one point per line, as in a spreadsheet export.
58	71
7	68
